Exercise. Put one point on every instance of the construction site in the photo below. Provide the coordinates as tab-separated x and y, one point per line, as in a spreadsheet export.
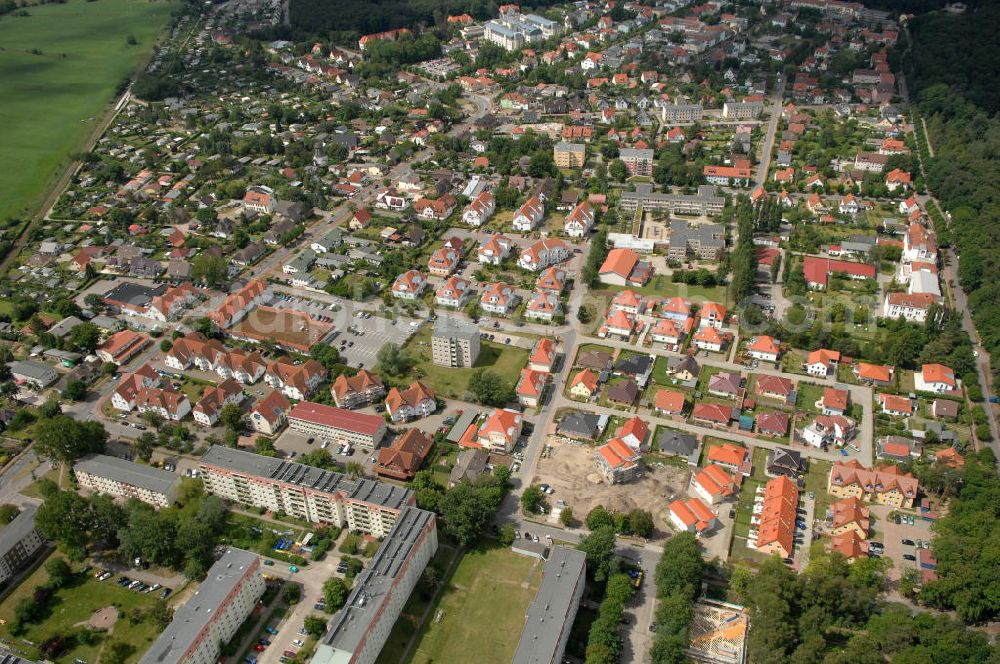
570	469
718	633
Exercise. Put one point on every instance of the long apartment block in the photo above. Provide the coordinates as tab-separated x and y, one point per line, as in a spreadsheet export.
213	613
360	629
124	479
305	492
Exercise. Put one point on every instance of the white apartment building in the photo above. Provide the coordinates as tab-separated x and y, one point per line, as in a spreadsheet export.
305	492
19	540
123	479
213	614
360	629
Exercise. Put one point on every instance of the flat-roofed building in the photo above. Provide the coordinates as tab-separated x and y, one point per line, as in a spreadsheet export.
305	492
124	479
337	424
569	155
360	629
454	343
704	202
553	610
19	540
213	613
7	657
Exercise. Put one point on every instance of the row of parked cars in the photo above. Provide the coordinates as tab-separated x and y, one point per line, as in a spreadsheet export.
132	584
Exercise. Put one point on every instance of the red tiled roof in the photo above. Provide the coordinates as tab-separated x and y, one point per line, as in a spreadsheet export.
337	418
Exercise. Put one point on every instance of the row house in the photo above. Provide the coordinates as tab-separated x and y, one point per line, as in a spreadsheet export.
414	402
362	389
166	402
480	210
453	293
498	299
579	222
529	215
206	412
296	381
542	254
409	285
494	249
543	306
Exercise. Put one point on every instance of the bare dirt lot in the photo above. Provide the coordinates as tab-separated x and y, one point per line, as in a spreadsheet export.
570	470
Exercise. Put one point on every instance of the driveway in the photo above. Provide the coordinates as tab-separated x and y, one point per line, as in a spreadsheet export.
311	578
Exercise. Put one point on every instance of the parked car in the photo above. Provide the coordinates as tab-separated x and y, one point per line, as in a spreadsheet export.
907	542
909	556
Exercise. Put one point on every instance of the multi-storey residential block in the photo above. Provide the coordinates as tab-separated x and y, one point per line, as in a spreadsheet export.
123	479
305	492
362	389
454	343
553	610
19	540
213	614
360	629
742	110
569	155
637	161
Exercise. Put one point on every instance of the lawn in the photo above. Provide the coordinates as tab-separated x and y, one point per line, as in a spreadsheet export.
744	509
54	97
816	481
73	605
662	286
481	610
453	383
808	394
408	623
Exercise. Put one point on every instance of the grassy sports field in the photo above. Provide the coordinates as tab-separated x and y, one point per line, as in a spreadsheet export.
59	68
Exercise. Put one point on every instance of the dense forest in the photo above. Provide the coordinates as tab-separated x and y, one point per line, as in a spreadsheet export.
952	65
346	20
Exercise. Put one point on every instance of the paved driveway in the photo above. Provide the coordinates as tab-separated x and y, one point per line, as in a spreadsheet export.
312	579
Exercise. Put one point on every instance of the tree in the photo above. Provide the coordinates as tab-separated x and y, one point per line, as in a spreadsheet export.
8	513
65	518
566	517
640	523
507	534
531	499
314	626
59	572
76	390
320	459
467	508
117	652
617	171
84	337
231	416
264	446
64	439
600	549
392	360
209	269
143	445
599	518
489	388
335	593
166	345
293	593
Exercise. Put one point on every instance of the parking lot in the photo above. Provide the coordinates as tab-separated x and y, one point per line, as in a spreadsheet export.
362	337
892	536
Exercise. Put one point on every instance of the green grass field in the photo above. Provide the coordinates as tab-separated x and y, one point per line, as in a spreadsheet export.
481	610
53	98
72	607
453	383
